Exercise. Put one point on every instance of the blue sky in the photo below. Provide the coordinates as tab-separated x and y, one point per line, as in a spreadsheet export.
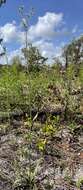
55	23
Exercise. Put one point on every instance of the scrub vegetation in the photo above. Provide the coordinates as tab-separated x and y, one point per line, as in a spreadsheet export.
41	118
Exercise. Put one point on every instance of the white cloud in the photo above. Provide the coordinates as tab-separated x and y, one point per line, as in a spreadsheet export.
75	29
46	25
8	31
39	34
48	49
14	53
44	28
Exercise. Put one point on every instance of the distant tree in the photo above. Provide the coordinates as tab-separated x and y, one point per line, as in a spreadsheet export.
73	53
16	64
57	61
34	58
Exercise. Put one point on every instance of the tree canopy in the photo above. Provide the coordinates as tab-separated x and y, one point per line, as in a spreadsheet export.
73	52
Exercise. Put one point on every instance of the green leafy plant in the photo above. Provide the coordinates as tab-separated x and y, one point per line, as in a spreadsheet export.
79	182
41	144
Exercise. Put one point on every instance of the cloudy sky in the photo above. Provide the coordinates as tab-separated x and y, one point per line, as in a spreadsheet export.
54	24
